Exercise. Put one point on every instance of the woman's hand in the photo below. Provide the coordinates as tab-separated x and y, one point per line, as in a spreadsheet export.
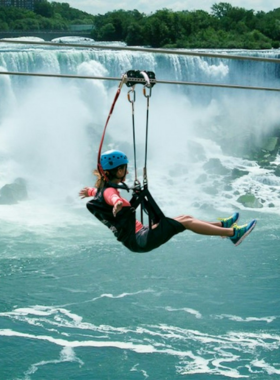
117	207
84	192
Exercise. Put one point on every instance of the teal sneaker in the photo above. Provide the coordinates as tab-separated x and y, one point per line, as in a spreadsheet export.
240	232
229	222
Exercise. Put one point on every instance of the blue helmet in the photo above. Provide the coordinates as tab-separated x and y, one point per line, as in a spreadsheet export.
112	159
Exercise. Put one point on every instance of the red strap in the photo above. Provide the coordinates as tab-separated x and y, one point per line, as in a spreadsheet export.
99	167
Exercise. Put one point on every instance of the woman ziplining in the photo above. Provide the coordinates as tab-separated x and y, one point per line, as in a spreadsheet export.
119	215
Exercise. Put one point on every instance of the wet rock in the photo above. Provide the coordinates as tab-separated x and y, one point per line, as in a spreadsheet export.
269	166
249	200
268	150
264	163
14	192
228	196
270	144
237	173
214	166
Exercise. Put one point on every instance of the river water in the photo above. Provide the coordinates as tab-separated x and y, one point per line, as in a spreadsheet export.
76	304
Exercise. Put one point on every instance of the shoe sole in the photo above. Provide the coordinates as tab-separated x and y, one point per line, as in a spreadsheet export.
246	234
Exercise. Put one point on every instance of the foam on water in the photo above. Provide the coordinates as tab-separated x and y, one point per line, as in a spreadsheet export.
209	353
186	310
67	355
216	354
247	319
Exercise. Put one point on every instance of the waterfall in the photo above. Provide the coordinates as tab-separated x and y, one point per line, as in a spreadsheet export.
50	128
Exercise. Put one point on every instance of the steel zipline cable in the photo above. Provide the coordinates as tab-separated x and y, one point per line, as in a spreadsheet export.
64	76
144	50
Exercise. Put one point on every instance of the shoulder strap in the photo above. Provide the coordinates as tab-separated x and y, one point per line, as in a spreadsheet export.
121	186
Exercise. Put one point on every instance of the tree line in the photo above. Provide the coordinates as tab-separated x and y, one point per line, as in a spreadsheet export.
225	27
45	17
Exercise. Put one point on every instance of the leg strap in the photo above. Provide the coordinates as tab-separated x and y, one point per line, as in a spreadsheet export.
144	198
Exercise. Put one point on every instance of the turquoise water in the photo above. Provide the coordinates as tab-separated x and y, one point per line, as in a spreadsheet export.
75	304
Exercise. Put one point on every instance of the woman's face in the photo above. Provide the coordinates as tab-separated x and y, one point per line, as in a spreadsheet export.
121	174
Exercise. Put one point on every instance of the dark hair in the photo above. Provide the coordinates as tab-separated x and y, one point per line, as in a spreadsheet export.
111	174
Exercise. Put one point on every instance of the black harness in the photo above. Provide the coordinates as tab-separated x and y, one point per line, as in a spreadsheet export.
123	225
141	195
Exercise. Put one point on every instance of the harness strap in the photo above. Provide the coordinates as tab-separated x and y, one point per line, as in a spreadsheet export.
143	197
147	202
122	186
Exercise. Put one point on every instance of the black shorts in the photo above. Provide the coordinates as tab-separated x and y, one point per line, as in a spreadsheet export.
148	239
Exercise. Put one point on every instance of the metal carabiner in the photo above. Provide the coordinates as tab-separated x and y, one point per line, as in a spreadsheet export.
150	91
134	95
137	184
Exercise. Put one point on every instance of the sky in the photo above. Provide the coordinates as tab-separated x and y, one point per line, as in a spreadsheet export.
149	6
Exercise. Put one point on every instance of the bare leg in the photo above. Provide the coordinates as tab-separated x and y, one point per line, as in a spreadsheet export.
204	228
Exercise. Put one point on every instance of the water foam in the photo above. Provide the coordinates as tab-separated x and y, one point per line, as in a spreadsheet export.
67	354
247	319
207	353
196	313
139	348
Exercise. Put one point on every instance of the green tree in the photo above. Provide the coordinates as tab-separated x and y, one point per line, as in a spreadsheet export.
269	24
156	32
241	28
26	24
134	35
221	10
4	26
107	32
160	28
44	9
